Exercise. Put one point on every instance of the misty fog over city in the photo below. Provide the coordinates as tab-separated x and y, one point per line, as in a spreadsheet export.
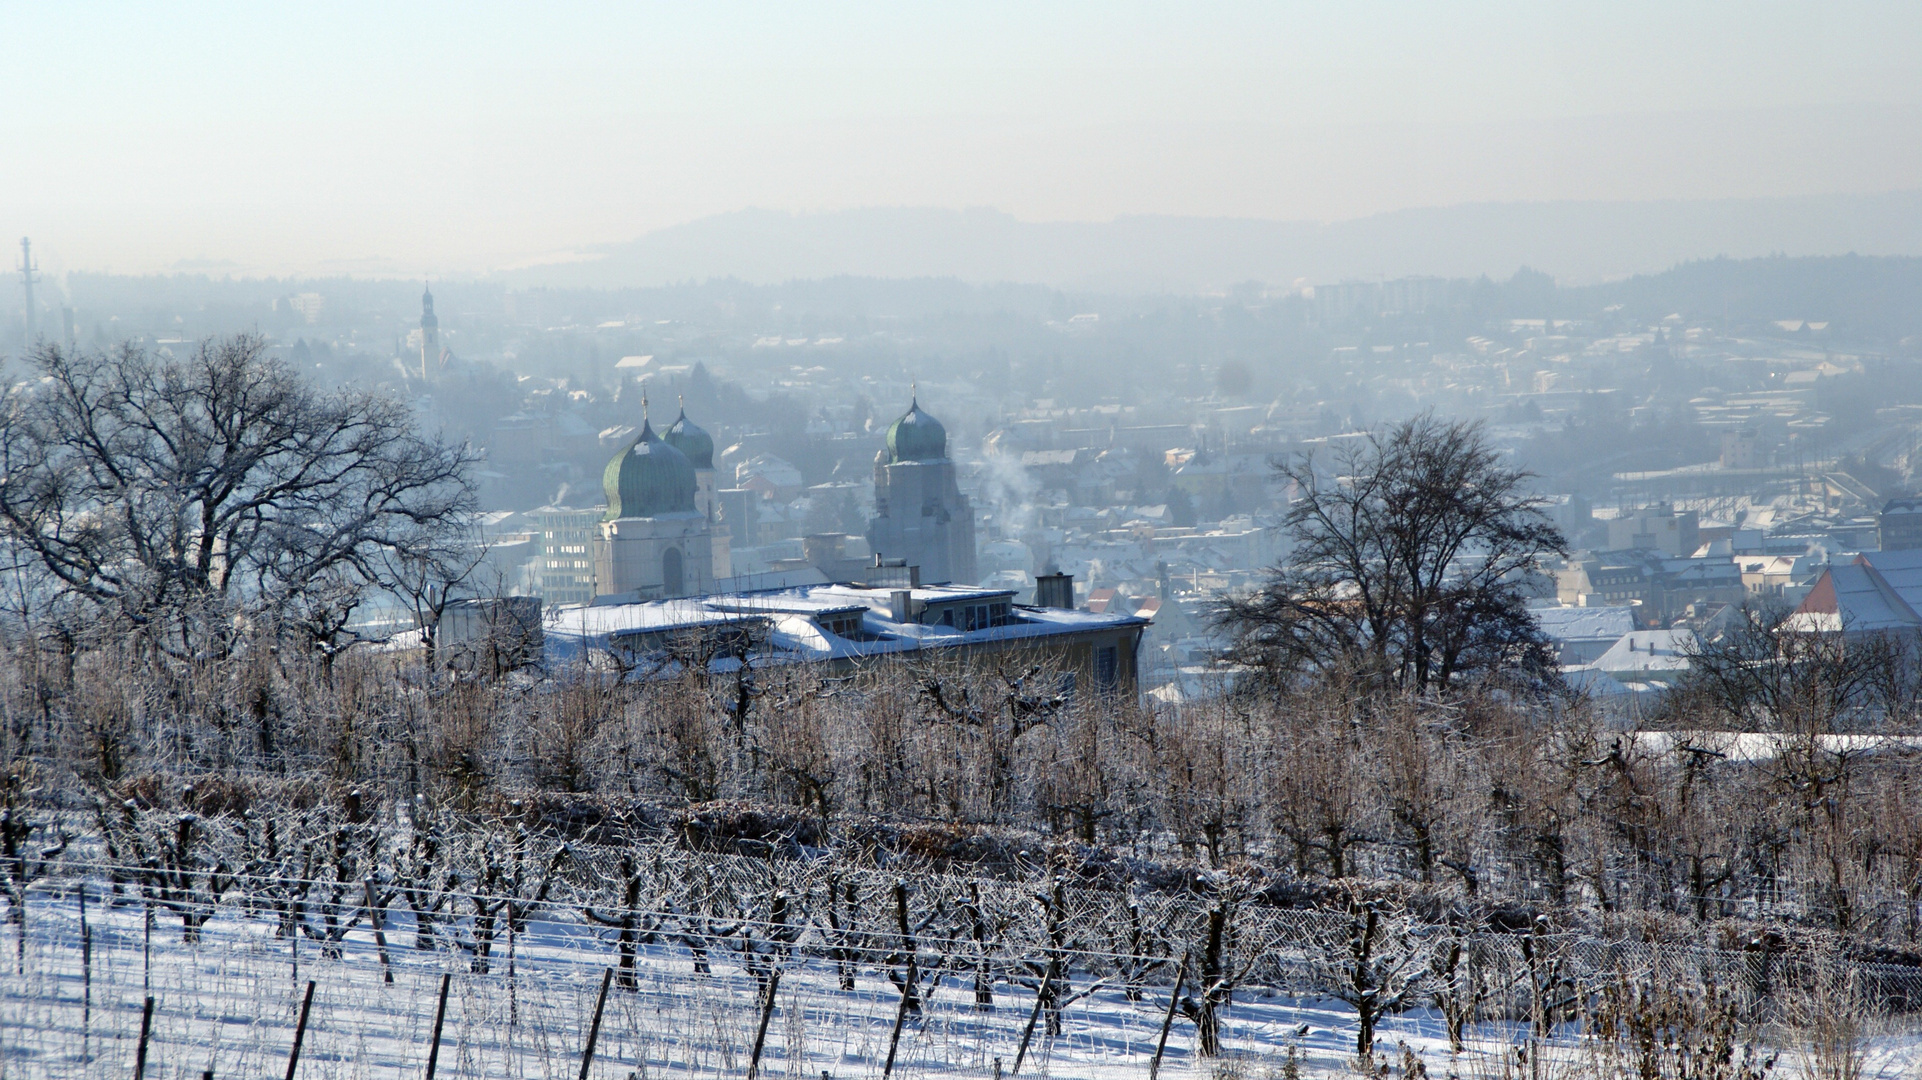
842	540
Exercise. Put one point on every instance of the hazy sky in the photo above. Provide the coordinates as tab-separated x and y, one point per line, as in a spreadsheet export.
417	139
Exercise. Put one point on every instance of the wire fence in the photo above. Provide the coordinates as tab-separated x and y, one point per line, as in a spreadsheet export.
724	964
72	1000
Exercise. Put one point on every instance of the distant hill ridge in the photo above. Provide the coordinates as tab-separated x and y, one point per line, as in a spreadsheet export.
1866	298
1577	242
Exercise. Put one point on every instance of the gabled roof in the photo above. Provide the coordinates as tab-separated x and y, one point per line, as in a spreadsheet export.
1648	651
1902	570
1877	591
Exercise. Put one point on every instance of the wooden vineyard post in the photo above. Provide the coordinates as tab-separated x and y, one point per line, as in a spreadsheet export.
1168	1021
380	935
910	975
1045	995
594	1029
300	1029
760	1033
440	1016
86	979
146	1029
1040	999
894	1040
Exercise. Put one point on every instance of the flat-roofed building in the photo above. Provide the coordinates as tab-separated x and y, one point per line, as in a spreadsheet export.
1657	528
1899	526
852	627
565	539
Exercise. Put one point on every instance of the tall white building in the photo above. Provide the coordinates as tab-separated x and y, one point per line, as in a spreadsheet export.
566	538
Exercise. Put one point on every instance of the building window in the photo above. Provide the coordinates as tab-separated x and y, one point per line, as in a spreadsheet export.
982	616
1107	661
847	626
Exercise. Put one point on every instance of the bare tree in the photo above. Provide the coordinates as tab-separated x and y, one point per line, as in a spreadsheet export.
1372	957
635	925
29	842
175	494
339	863
431	569
1216	975
1026	699
1768	670
1410	548
1203	779
1322	803
177	869
509	888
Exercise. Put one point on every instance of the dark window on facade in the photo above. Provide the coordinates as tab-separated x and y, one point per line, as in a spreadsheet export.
1107	661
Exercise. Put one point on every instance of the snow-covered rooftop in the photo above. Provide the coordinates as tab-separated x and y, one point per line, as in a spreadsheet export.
796	620
1648	651
1585	623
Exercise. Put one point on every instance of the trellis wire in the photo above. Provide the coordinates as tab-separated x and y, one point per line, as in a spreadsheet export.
531	1021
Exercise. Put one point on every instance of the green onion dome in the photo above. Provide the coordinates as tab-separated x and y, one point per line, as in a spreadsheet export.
917	436
689	439
648	479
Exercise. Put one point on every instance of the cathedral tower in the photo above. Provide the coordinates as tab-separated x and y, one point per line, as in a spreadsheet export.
698	445
655	543
919	512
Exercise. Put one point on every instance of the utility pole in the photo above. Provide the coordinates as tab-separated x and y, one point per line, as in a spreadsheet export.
29	273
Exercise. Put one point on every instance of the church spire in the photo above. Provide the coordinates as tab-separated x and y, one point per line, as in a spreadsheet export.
429	333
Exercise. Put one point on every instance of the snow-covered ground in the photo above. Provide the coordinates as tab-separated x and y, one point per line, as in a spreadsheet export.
229	1004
